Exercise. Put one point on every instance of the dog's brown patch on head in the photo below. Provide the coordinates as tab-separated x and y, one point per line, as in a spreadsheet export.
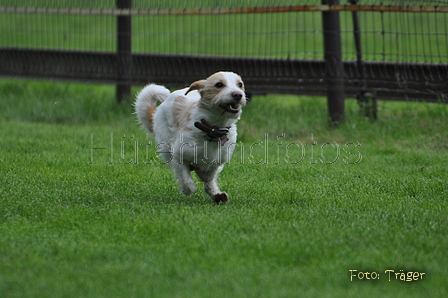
240	83
212	87
216	82
198	85
182	111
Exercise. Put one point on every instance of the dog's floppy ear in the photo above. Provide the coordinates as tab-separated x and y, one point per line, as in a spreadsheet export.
196	86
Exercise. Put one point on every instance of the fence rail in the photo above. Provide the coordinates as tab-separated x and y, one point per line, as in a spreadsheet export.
221	11
390	81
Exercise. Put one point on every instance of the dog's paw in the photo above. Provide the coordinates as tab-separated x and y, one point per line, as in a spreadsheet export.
220	197
188	188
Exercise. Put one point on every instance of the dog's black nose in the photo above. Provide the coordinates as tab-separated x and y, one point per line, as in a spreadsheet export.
237	96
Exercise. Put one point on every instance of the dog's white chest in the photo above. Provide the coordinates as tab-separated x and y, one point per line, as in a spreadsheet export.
203	153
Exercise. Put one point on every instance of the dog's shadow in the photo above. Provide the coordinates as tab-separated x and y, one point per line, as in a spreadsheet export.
175	198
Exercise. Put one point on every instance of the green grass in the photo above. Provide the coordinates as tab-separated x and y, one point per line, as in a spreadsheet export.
117	225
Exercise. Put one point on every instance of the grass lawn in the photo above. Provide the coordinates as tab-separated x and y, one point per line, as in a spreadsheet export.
80	221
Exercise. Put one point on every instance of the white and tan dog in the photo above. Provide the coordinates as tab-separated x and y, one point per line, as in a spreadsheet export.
195	128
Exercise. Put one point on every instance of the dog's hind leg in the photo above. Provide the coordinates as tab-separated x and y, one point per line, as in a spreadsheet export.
182	174
211	185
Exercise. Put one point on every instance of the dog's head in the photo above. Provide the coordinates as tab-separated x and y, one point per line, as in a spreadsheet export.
223	91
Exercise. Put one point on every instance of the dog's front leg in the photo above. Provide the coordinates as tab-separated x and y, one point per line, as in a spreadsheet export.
182	174
211	185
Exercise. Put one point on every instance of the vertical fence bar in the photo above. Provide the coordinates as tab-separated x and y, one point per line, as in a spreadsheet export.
124	52
333	63
366	100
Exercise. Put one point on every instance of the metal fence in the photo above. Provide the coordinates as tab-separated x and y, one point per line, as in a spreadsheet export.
395	50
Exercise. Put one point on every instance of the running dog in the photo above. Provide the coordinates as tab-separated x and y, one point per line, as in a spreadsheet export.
195	127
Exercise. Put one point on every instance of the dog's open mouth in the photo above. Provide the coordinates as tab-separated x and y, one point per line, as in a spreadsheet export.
230	107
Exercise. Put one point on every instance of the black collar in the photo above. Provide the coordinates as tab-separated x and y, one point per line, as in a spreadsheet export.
213	133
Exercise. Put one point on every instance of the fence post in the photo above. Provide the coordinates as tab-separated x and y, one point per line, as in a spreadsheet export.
334	71
124	54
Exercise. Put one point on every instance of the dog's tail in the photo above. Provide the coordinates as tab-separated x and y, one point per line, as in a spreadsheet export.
146	104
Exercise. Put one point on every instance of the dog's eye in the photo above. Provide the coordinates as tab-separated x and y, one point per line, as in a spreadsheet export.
240	85
219	85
